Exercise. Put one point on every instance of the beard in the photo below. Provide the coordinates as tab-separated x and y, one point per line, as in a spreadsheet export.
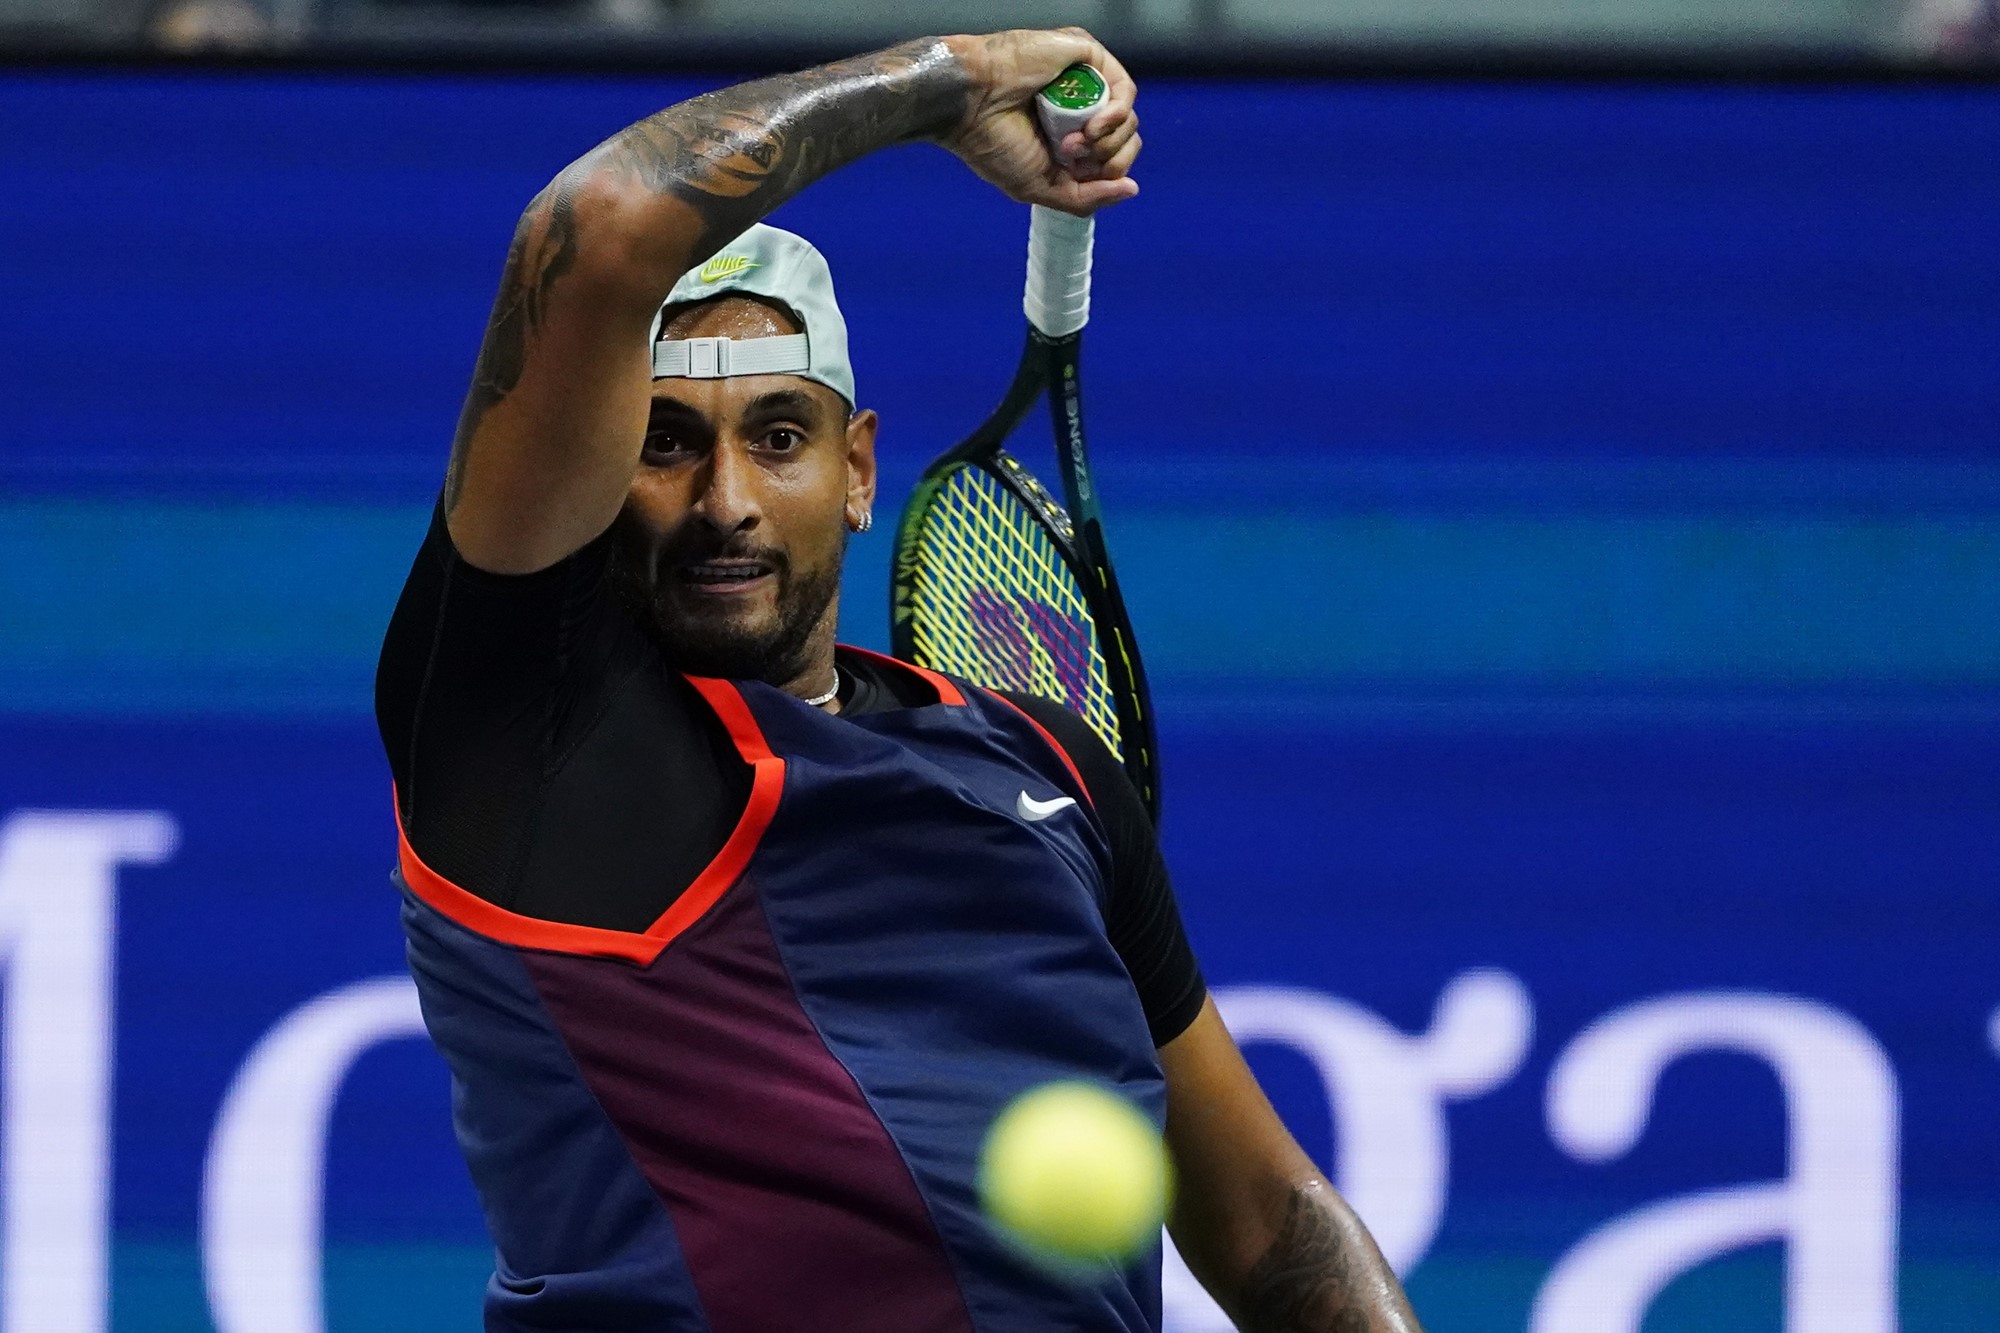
706	635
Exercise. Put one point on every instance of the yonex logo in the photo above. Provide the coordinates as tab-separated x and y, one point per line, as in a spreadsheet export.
725	266
1035	811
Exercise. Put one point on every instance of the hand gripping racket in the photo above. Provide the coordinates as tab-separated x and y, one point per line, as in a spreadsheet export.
997	583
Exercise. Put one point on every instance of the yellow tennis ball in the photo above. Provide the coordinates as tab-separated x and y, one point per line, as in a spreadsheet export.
1075	1174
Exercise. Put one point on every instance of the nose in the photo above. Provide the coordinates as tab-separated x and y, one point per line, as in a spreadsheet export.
728	500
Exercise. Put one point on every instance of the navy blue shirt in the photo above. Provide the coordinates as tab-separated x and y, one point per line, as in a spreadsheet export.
548	762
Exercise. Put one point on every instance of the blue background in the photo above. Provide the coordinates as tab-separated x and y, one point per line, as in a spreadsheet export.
1563	523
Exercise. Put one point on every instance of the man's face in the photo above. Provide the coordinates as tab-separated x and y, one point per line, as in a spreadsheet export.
730	543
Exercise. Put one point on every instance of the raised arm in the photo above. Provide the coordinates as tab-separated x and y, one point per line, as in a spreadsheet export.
1273	1242
550	434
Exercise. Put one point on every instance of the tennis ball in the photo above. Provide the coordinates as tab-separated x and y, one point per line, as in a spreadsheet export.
1075	1175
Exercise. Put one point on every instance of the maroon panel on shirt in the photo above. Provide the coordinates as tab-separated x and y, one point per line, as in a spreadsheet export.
792	1204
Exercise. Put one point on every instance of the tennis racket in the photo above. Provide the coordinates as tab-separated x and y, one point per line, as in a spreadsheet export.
996	582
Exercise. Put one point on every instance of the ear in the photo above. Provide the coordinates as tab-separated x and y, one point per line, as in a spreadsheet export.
861	463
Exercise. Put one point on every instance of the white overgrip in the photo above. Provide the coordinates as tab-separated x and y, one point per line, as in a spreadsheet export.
1058	296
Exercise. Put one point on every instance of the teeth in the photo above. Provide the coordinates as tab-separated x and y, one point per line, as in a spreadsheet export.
735	573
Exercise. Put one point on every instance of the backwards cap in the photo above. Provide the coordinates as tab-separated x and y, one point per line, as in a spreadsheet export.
773	263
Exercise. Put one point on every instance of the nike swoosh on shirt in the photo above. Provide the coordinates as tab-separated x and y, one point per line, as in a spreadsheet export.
1035	811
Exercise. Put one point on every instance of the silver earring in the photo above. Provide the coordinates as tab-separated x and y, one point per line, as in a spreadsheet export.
867	522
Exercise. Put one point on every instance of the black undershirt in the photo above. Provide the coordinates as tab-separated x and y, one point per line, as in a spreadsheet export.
547	760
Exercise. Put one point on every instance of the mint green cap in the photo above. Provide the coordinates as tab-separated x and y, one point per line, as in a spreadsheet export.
780	266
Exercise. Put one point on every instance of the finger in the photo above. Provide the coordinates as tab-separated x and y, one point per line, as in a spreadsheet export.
1081	198
1107	119
1121	161
1082	150
1086	50
1105	146
1093	195
1118	165
1121	89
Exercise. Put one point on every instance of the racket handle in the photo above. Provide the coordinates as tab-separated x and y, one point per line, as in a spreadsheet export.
1058	296
1070	100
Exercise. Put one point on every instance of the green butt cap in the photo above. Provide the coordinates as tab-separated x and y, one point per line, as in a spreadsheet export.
1077	88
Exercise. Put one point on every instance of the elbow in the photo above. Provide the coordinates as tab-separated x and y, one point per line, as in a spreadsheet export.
607	230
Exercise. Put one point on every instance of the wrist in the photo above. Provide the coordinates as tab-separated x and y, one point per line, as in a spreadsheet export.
965	49
962	58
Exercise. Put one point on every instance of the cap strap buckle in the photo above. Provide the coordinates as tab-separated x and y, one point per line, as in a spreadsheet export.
719	358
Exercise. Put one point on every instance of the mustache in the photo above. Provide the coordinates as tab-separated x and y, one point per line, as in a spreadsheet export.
694	546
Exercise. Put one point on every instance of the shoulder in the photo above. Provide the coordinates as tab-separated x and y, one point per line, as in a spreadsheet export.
1102	772
480	672
1142	919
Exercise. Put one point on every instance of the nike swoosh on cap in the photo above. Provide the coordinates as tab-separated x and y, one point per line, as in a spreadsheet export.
725	266
1035	811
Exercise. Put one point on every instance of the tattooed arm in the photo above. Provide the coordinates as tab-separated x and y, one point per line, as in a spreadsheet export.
549	436
1272	1241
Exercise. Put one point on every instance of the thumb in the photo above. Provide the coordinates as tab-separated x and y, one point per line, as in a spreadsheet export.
1082	198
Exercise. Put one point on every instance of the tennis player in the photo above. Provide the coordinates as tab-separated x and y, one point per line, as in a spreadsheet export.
735	941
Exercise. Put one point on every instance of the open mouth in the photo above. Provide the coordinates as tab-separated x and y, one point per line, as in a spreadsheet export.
725	576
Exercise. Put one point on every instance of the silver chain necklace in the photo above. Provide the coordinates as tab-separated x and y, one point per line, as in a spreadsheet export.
828	696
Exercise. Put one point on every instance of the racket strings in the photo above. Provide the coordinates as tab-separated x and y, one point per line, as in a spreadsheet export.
995	603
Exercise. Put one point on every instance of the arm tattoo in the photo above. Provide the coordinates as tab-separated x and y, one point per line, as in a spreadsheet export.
736	153
544	247
732	156
1304	1282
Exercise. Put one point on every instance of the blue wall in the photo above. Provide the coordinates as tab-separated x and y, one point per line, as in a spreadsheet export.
1563	524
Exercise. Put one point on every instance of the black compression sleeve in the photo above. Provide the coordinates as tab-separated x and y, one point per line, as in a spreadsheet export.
1144	921
535	766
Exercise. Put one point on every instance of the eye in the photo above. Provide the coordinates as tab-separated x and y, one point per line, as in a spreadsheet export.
783	439
664	444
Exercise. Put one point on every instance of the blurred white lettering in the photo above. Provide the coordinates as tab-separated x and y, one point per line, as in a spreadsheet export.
262	1184
1835	1210
58	915
1386	1091
262	1199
